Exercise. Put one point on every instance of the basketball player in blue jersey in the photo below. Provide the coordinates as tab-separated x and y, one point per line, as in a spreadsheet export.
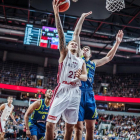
36	125
87	109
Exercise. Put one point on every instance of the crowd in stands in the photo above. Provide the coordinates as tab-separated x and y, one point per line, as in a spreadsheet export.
127	127
119	108
110	107
51	83
20	79
122	127
24	77
119	85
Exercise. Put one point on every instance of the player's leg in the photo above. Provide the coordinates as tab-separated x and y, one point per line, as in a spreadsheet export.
78	130
50	127
90	124
33	130
41	131
2	136
70	115
34	137
2	129
58	106
68	132
79	126
90	115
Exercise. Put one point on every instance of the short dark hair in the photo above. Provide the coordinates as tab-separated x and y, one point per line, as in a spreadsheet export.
9	97
87	47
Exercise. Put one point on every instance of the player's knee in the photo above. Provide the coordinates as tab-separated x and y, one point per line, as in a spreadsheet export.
90	128
70	130
90	124
49	126
34	137
69	127
78	129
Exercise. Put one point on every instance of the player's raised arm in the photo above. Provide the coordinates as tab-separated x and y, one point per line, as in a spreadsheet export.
111	53
29	111
13	118
82	75
78	28
62	43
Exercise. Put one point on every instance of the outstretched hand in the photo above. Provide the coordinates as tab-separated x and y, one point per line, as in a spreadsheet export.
15	122
119	36
28	133
78	73
86	14
56	5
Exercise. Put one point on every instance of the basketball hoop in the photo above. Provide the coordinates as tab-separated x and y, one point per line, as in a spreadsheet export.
74	0
115	5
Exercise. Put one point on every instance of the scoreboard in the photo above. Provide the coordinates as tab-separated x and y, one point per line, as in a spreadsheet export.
49	38
46	37
32	35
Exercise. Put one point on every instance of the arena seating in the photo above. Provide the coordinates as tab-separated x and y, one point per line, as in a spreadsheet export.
123	127
120	85
17	73
24	74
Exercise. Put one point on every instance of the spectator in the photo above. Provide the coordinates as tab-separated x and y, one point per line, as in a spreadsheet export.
10	132
23	110
60	136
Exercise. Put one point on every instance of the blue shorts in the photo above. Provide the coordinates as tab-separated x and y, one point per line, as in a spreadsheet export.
38	129
87	109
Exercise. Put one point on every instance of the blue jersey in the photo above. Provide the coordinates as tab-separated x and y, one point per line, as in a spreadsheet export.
87	108
40	114
90	75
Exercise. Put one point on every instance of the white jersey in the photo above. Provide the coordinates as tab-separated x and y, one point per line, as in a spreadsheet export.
67	69
6	112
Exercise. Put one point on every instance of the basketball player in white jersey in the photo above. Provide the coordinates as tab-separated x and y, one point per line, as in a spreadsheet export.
67	95
7	109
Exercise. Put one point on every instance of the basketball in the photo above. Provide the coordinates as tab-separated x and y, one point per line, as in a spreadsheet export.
64	7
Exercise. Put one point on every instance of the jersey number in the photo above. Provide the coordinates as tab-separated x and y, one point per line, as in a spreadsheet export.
72	74
43	117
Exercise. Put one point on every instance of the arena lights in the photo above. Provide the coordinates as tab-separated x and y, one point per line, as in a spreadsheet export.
117	99
22	88
97	97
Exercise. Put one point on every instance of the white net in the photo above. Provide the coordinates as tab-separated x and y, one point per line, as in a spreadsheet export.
74	0
115	5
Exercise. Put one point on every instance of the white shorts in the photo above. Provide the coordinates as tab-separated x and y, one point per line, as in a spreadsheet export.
2	126
66	103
